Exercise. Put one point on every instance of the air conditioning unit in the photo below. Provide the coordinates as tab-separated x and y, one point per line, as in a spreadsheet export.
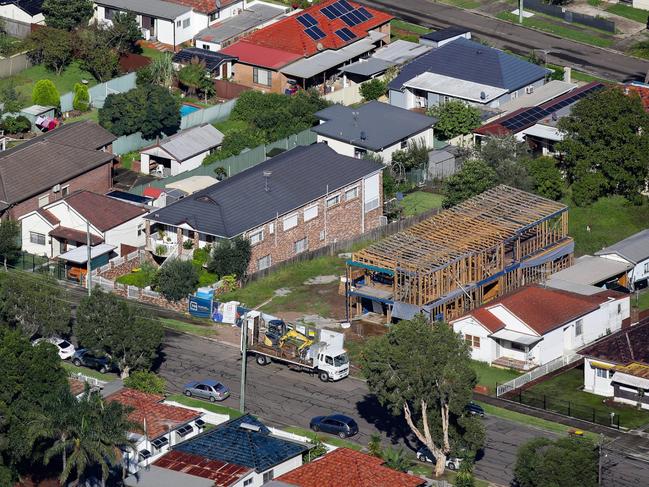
56	188
529	90
383	220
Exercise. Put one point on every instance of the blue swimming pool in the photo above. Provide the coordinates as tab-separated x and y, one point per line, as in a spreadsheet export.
187	109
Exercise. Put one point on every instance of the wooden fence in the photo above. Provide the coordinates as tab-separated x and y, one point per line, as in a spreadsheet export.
14	64
345	245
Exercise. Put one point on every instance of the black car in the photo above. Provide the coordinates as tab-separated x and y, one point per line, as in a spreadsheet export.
336	424
474	409
92	360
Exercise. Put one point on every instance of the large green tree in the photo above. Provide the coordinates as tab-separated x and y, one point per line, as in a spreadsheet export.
45	93
423	372
177	279
231	257
9	241
508	158
455	118
126	333
67	14
373	89
547	177
124	34
195	78
606	143
96	55
475	177
542	462
52	48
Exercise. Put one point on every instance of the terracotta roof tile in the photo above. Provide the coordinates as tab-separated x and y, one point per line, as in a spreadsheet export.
49	216
622	347
350	468
224	474
74	235
103	212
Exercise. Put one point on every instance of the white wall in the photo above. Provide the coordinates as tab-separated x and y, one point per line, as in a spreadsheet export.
340	147
33	222
127	233
212	46
469	326
164	30
188	164
511	322
638	272
10	11
641	4
594	384
346	149
281	469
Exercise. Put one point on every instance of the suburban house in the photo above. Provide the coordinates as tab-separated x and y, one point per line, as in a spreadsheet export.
633	250
536	324
181	152
438	38
374	127
549	91
307	49
160	426
207	12
218	65
617	366
300	200
464	70
73	157
63	225
596	271
537	125
344	466
25	11
255	16
242	452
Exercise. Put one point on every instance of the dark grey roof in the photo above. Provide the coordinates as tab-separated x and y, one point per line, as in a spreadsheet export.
211	59
467	60
367	67
156	8
251	17
443	34
85	135
232	443
382	125
634	248
241	203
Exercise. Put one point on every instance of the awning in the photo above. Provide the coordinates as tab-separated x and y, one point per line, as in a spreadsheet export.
367	67
630	380
601	365
516	337
80	254
73	235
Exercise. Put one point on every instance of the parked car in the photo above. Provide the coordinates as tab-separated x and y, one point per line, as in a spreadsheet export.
207	389
64	347
336	424
474	409
92	360
425	455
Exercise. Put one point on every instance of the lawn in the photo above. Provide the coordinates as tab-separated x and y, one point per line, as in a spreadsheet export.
151	52
610	219
209	406
229	125
581	35
325	437
193	328
91	115
642	300
467	4
138	279
73	369
566	388
636	14
407	31
491	376
419	202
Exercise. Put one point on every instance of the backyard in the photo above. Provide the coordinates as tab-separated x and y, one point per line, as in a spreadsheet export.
490	377
407	31
419	202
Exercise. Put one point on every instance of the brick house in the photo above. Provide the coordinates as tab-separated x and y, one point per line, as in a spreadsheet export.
73	157
298	201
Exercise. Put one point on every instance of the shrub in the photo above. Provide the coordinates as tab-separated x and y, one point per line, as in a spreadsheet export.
373	89
81	99
16	125
177	279
230	257
45	94
188	244
455	118
145	381
220	173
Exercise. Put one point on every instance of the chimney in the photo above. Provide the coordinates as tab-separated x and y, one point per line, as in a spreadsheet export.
567	74
267	175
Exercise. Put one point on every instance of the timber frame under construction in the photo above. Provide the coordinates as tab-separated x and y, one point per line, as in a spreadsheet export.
462	257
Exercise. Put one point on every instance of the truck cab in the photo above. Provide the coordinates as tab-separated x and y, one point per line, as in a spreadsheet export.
335	366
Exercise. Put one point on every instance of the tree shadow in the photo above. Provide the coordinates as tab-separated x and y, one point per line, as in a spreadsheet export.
394	427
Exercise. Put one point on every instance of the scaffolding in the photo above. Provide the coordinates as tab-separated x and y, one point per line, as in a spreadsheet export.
465	256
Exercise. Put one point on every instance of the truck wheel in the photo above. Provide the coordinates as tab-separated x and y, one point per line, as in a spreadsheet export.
324	377
261	360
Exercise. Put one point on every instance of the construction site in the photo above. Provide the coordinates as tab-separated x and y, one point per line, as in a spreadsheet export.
461	258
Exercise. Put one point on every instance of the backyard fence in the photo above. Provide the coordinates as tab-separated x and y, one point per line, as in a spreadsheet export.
129	143
14	64
569	16
551	366
235	164
98	93
16	28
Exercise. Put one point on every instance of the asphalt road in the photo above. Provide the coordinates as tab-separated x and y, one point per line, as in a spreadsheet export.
282	397
601	62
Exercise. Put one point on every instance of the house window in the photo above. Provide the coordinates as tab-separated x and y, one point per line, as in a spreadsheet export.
109	13
264	263
186	22
37	238
603	373
359	153
206	47
290	221
529	90
214	15
610	374
333	201
646	268
256	237
472	341
247	482
310	213
43	200
178	23
351	193
262	76
322	235
271	228
619	308
404	144
579	328
65	191
300	246
268	476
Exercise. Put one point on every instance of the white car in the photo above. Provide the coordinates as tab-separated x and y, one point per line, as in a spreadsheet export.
65	348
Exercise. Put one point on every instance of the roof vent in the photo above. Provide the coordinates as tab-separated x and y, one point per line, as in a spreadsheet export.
319	46
250	427
483	95
267	175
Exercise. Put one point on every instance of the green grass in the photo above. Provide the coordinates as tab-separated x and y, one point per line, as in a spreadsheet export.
91	115
566	387
229	125
642	302
467	4
210	406
580	35
594	3
490	376
138	279
631	13
586	78
409	26
610	219
201	330
73	369
419	202
151	53
325	437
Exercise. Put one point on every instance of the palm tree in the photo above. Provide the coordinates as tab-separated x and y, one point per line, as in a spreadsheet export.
60	427
396	459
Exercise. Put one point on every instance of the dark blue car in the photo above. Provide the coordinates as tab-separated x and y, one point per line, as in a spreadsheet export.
336	424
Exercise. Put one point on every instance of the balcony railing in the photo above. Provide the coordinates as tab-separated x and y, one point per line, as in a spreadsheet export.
162	246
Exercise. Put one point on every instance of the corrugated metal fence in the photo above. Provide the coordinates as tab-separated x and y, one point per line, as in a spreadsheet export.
98	93
235	164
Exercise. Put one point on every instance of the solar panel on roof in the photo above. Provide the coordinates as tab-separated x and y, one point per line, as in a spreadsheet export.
350	21
345	34
328	13
356	17
365	13
306	20
344	5
315	33
336	10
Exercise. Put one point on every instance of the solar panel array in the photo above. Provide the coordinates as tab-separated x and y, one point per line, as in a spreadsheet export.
345	34
532	115
342	9
315	33
306	20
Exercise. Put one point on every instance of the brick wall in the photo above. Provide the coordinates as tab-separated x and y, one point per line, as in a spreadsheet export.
243	75
99	180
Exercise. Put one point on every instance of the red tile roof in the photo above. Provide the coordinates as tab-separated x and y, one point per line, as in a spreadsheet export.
542	309
223	474
73	235
159	417
49	216
350	468
152	192
203	6
103	212
642	92
259	55
287	35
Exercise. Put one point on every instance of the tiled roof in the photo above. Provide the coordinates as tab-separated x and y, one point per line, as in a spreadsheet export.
159	417
267	57
542	309
74	235
152	192
103	212
204	6
349	468
85	135
288	35
49	216
223	474
233	442
622	347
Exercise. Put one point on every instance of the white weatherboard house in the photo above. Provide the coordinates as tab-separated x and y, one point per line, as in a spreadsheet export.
535	325
28	12
633	250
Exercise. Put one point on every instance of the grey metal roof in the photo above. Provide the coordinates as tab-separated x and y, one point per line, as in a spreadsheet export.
589	269
241	203
190	142
634	248
250	18
443	34
401	51
155	8
153	476
367	67
382	125
467	60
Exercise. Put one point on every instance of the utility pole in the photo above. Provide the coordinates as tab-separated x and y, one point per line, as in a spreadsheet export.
244	354
520	12
88	264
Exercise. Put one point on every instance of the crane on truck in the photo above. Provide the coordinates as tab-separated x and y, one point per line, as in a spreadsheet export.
317	351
